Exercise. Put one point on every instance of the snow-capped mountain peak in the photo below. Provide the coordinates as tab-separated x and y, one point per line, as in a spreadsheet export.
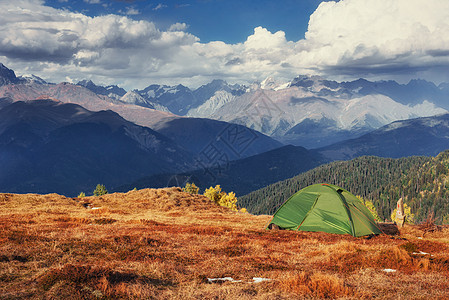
33	79
112	91
270	83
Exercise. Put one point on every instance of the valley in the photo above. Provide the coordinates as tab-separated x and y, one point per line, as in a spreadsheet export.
243	138
224	149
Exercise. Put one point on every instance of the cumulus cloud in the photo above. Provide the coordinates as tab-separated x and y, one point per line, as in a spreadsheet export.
352	37
178	27
132	11
263	39
377	36
33	32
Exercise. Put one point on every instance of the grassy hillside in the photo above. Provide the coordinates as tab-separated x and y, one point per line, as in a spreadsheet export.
421	181
166	244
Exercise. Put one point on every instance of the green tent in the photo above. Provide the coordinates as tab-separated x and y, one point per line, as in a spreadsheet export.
328	208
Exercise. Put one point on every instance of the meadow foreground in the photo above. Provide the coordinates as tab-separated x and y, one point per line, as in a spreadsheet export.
167	244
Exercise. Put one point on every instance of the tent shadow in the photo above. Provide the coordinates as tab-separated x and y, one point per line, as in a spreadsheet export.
389	228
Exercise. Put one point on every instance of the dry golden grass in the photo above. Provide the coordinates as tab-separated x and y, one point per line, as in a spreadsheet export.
165	244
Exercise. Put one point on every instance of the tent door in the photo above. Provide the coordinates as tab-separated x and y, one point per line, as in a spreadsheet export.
310	210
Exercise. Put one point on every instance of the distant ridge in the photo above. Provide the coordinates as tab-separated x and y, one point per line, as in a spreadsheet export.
282	110
240	176
421	136
48	146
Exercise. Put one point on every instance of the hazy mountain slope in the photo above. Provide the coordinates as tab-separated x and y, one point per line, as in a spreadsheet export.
208	108
69	93
177	99
277	113
214	95
47	146
422	136
181	100
201	132
112	91
132	97
198	135
317	133
206	91
414	92
240	176
5	102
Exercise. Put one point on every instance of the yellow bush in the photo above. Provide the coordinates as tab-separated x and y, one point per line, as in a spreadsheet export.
213	193
221	198
228	200
191	188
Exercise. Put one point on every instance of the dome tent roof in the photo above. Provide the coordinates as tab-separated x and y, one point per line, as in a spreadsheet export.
328	208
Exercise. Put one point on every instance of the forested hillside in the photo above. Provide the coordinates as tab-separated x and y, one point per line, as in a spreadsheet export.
421	181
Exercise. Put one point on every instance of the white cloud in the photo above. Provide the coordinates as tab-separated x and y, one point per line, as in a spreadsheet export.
263	39
44	36
377	36
132	11
178	27
352	37
160	6
93	1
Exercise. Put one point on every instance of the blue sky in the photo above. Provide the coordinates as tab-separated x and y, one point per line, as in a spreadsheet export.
210	20
135	43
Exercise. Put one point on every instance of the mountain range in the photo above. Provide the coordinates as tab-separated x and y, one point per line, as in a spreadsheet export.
111	91
48	146
309	111
202	132
233	135
313	112
34	115
421	136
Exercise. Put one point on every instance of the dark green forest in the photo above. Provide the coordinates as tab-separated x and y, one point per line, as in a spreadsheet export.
420	181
